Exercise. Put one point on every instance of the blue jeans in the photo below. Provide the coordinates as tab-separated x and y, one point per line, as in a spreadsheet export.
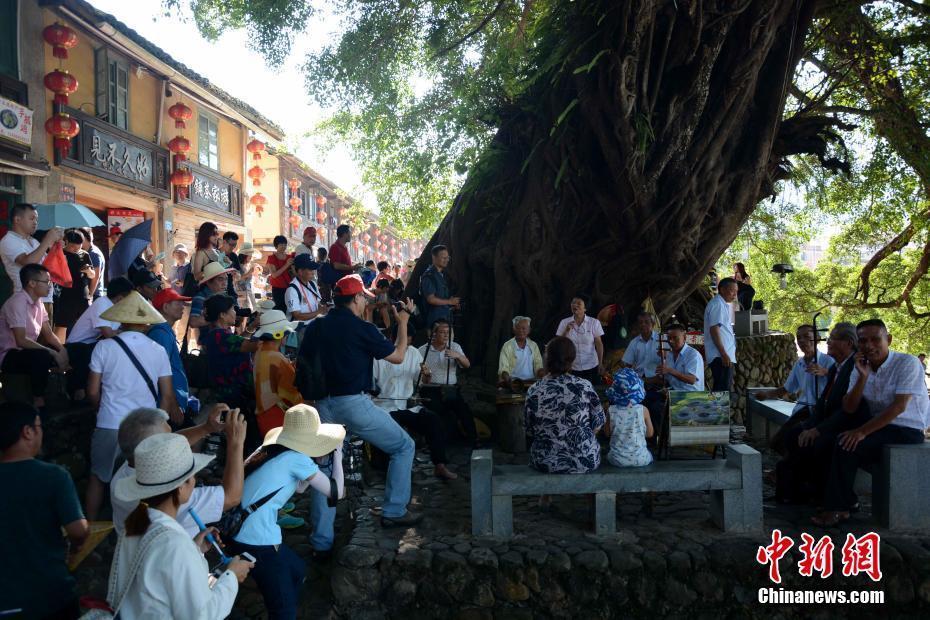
373	424
279	574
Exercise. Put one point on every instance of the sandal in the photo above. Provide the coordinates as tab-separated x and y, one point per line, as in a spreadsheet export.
830	518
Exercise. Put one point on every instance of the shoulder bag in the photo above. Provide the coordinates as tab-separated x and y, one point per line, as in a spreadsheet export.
231	521
138	365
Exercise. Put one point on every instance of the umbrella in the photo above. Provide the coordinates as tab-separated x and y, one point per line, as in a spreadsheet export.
131	243
66	215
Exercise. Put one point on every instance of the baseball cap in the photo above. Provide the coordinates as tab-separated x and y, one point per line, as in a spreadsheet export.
167	295
145	278
305	261
350	285
308	229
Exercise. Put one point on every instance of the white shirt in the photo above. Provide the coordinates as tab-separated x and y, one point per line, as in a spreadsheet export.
397	381
810	386
87	328
643	355
523	369
206	501
583	336
303	249
717	313
173	578
122	387
11	246
689	362
440	365
899	374
306	298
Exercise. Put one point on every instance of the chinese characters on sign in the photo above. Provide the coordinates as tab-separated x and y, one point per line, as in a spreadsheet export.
15	122
858	555
207	190
120	158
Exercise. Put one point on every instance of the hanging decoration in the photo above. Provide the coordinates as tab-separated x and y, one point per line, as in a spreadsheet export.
375	231
61	38
320	201
182	178
320	217
355	245
256	174
62	84
294	184
341	211
295	202
294	219
179	145
180	113
258	201
366	238
256	147
63	129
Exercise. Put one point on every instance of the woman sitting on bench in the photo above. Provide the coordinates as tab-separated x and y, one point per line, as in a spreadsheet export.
563	414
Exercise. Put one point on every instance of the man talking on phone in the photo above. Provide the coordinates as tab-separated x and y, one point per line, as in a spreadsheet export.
345	347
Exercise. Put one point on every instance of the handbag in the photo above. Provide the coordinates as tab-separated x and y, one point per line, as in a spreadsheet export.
57	266
231	521
196	366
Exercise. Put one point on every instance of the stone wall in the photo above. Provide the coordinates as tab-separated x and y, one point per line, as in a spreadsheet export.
761	361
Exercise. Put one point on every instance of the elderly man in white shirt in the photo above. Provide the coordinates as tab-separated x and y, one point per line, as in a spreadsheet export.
808	375
889	387
719	338
683	368
396	384
520	357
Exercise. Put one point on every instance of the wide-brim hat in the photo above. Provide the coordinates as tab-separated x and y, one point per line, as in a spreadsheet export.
275	324
213	270
248	248
133	309
181	248
303	432
163	462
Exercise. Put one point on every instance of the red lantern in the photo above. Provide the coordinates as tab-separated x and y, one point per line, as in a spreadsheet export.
355	245
294	184
294	219
63	128
62	84
182	178
258	201
295	202
375	231
366	237
180	113
320	217
256	174
61	38
341	211
179	145
255	147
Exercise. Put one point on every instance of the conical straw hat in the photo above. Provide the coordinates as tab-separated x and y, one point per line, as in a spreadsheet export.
133	309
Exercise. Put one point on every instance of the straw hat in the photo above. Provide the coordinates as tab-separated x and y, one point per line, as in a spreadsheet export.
162	463
213	270
303	432
248	248
266	304
133	309
274	323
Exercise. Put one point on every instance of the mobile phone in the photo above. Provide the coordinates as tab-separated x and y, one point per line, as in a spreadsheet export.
248	557
223	417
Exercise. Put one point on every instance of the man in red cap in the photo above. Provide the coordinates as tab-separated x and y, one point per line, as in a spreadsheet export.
170	304
309	241
344	347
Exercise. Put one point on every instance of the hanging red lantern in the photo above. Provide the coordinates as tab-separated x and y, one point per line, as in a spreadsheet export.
366	237
320	201
295	202
63	129
375	231
320	217
256	174
182	178
258	201
180	113
179	145
255	147
294	219
341	211
294	184
62	84
61	38
355	245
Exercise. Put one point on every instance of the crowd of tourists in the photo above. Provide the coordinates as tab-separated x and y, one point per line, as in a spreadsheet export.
329	354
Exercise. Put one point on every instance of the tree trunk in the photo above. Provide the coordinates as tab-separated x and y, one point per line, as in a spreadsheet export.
650	133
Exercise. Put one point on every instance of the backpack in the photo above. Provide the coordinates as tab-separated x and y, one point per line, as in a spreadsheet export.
310	378
189	288
328	274
419	300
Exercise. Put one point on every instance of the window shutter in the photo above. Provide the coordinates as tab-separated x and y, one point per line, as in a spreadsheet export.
102	83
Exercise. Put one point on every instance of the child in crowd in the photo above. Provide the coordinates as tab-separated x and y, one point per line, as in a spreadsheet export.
629	422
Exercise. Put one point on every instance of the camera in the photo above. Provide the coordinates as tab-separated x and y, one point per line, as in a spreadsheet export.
244	313
399	305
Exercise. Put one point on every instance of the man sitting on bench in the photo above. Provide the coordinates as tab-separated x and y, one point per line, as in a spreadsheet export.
892	386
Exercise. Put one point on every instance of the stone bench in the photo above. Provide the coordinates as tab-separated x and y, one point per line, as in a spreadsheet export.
900	483
735	485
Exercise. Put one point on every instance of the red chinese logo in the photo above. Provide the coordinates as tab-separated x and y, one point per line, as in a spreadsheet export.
773	553
860	555
817	556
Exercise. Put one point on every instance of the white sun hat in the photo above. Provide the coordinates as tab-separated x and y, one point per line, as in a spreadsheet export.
303	432
275	324
162	463
213	270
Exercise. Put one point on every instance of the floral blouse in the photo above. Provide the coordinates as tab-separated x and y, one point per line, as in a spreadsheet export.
562	414
230	369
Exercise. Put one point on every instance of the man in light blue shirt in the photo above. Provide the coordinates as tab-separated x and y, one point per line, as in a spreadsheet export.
808	376
642	353
719	339
684	367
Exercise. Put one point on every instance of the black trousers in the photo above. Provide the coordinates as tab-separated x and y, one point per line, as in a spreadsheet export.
429	424
839	494
277	295
723	375
448	403
35	363
655	403
590	374
79	354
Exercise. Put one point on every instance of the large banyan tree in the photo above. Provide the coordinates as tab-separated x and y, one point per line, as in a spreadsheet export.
604	147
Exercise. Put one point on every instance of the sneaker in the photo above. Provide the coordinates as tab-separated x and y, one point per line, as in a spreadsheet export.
288	507
288	522
407	519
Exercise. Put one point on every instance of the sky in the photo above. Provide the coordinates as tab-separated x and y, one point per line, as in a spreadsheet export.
279	95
